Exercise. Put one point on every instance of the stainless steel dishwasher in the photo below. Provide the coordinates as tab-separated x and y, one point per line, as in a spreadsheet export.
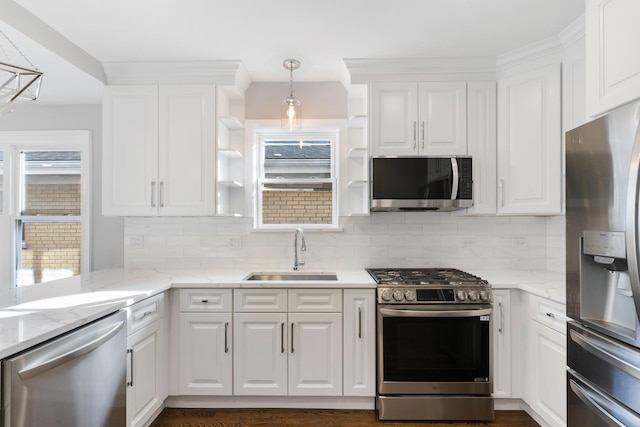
76	380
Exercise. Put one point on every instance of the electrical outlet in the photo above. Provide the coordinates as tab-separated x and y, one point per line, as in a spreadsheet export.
136	242
519	241
234	242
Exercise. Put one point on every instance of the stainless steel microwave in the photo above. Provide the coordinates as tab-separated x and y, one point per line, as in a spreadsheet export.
421	183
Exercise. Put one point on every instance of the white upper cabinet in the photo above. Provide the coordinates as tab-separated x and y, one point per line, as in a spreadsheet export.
158	150
482	145
613	63
428	118
530	141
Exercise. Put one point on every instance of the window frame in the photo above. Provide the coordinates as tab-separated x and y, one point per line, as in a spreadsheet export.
263	135
11	144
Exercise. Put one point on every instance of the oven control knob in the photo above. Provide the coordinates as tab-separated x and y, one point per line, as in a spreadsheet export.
410	295
398	295
484	296
462	295
473	295
385	295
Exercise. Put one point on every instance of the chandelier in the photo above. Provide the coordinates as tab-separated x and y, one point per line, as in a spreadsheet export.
291	110
18	84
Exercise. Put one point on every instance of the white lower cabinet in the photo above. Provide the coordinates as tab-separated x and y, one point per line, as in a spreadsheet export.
502	354
359	342
546	360
282	351
205	342
147	385
260	354
315	354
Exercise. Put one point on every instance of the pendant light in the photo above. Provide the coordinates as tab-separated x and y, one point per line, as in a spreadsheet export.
18	84
291	111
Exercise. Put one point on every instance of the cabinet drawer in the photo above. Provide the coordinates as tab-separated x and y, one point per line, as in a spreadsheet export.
144	313
260	300
548	313
315	300
205	300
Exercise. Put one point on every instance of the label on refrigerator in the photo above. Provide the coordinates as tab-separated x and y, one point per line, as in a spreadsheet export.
604	243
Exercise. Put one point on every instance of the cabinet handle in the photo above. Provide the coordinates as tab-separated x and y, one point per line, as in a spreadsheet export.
226	337
502	193
161	195
291	337
282	337
359	322
153	194
205	301
139	317
551	315
415	137
500	328
130	353
423	135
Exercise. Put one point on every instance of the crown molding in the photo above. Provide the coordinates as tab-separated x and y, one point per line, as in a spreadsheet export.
365	70
545	51
175	72
574	33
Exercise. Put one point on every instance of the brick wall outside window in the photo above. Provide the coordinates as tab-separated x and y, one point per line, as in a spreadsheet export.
51	246
296	207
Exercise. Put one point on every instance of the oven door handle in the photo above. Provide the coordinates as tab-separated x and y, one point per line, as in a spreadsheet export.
434	313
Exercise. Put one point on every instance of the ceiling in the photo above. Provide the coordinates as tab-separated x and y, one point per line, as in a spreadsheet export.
261	34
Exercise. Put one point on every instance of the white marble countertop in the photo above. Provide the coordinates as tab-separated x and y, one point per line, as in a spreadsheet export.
33	314
546	284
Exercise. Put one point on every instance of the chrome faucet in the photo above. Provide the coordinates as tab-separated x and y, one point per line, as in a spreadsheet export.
303	247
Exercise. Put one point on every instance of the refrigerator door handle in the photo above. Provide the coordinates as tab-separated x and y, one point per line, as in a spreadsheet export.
633	218
605	408
609	352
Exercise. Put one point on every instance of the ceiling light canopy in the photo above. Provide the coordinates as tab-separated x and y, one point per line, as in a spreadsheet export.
18	84
291	111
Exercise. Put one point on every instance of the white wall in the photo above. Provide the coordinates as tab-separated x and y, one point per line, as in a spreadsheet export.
107	232
416	239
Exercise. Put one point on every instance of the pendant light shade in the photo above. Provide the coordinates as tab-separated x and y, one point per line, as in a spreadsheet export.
18	84
291	116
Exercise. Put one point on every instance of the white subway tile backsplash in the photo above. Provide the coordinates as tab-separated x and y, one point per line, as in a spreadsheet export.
411	239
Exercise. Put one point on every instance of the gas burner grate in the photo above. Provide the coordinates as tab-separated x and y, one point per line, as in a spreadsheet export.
424	276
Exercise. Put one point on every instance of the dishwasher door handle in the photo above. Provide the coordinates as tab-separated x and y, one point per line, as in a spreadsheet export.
81	350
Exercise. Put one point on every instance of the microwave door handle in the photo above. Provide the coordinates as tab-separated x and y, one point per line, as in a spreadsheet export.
456	178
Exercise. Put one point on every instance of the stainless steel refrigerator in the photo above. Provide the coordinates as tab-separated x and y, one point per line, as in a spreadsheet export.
603	282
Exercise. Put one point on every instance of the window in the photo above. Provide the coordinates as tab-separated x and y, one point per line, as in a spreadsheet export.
297	185
46	212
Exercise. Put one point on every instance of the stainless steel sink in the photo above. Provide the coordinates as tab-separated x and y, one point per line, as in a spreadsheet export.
266	276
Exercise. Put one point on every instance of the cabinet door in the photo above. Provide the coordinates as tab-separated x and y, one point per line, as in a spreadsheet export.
205	354
546	392
612	60
394	115
530	142
144	380
260	354
481	113
502	343
186	150
315	354
443	118
359	342
129	150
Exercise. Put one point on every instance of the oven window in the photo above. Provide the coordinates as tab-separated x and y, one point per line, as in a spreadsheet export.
426	349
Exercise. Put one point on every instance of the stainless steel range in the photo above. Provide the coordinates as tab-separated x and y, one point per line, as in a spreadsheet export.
434	344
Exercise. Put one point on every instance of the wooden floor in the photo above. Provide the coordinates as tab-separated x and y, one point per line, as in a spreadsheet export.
313	418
